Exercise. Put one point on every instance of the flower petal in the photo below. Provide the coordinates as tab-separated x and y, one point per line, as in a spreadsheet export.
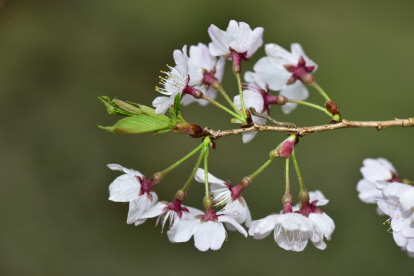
210	234
232	221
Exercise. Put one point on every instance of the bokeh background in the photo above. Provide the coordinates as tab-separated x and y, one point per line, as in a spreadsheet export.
57	57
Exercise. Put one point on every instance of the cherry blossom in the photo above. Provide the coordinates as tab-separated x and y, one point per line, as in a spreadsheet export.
281	69
208	230
226	194
172	212
291	231
205	72
238	42
133	187
252	98
176	82
324	225
374	170
238	37
401	223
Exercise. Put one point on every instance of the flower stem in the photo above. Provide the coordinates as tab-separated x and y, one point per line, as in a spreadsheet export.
223	92
320	90
312	105
167	170
287	190
197	165
406	181
260	169
295	162
239	84
207	191
224	108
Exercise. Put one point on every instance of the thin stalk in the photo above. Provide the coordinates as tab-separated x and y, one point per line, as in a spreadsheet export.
197	165
260	169
312	105
287	189
207	191
167	170
223	92
239	84
224	108
320	90
295	162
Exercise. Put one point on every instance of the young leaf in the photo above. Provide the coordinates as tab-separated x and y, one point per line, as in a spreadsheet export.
139	124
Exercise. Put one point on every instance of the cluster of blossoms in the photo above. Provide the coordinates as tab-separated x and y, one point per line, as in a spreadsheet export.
292	227
197	78
394	198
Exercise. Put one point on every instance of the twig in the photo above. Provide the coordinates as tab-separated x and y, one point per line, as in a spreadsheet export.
302	131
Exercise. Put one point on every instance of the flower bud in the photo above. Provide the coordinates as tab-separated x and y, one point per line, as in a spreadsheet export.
332	107
245	182
192	130
281	100
180	195
286	147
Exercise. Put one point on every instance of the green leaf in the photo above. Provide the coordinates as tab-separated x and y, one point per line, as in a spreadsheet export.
118	107
177	104
151	112
139	124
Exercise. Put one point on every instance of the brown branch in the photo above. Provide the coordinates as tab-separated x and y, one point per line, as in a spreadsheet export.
302	131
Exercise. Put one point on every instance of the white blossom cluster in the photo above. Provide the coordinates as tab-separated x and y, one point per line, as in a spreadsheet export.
280	70
291	230
381	185
199	75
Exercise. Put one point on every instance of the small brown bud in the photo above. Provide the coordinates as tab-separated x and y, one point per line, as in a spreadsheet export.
331	107
245	182
192	130
157	177
281	100
197	94
180	195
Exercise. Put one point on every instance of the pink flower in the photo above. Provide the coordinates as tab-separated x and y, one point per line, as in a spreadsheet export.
133	187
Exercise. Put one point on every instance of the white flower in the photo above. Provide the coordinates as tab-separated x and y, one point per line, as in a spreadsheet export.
208	233
203	69
374	170
228	195
291	231
174	83
170	211
132	187
252	98
323	224
401	223
280	69
238	37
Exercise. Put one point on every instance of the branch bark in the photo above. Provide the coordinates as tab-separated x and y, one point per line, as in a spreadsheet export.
302	131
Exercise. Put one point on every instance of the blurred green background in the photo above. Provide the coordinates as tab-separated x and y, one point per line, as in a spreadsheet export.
57	57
